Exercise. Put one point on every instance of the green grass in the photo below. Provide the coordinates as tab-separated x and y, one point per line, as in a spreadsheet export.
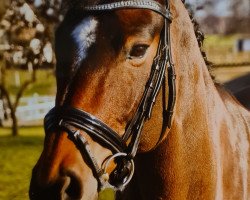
17	158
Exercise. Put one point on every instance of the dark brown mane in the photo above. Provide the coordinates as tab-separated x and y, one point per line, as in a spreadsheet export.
200	36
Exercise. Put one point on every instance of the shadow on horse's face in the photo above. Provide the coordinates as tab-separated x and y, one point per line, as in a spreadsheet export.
103	63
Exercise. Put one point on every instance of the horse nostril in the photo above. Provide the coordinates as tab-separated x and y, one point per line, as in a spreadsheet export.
73	186
66	187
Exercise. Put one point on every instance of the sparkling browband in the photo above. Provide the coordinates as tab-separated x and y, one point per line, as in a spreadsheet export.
154	6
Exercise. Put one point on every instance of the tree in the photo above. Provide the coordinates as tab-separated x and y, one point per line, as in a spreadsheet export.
4	4
25	44
240	19
224	16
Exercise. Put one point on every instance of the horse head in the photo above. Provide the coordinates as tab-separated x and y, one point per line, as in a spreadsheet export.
111	62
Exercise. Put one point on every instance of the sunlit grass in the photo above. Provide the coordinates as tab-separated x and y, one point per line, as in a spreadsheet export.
17	158
221	49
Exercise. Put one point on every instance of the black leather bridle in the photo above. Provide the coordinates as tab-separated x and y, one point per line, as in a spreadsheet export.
124	149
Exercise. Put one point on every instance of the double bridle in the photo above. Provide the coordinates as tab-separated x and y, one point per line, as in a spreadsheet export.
124	149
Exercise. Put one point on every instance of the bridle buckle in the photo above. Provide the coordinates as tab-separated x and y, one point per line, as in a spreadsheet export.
123	173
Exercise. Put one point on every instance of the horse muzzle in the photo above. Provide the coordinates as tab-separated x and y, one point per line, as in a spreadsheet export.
67	186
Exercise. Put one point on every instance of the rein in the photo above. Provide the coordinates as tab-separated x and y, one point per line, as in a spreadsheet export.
124	149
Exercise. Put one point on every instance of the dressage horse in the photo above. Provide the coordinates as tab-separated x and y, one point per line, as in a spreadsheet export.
137	111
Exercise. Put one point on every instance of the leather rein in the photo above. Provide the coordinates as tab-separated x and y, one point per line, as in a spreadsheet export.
124	149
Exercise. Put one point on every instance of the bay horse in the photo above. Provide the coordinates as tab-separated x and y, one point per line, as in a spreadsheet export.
137	113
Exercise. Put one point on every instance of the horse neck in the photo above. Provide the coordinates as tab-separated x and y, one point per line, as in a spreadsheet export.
186	151
195	87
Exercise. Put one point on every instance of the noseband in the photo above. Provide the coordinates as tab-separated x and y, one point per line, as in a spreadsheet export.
124	149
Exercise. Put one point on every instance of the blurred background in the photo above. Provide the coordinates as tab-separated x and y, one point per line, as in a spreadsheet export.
27	81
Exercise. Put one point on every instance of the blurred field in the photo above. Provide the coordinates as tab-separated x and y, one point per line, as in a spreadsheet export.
221	49
44	85
17	157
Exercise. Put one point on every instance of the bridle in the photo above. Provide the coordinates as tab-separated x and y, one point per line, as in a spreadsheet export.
124	149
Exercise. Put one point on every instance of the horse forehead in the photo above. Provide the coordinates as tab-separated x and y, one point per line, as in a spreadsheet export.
86	27
84	35
85	32
139	18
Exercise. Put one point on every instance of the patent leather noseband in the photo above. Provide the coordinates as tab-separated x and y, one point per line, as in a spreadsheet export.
73	120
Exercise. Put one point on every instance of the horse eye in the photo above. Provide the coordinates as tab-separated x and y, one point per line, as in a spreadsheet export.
138	51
